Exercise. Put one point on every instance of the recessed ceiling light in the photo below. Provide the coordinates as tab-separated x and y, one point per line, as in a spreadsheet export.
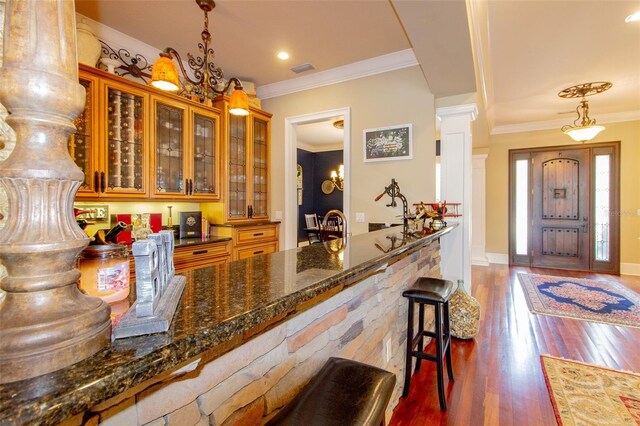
635	17
283	55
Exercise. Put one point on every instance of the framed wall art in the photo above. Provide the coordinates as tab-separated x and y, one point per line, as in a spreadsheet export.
388	143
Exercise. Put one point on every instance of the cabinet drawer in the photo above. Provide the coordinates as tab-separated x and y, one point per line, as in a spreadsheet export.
245	252
201	255
256	234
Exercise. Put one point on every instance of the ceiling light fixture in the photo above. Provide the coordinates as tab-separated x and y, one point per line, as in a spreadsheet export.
634	17
339	124
584	128
208	76
283	55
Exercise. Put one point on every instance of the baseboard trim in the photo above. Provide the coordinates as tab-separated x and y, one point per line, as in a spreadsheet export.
629	268
498	258
480	261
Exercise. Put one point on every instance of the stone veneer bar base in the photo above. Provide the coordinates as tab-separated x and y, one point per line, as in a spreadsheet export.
250	383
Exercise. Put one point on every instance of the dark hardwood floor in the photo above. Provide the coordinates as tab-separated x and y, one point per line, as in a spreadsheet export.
498	376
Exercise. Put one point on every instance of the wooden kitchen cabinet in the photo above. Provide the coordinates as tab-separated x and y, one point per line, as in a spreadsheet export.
134	141
111	141
195	256
250	239
185	150
247	158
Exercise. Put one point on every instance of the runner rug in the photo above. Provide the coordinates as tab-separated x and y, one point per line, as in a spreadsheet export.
583	394
589	300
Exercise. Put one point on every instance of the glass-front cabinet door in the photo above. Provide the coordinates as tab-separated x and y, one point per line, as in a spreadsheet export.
205	153
237	168
169	148
259	165
82	143
185	150
124	163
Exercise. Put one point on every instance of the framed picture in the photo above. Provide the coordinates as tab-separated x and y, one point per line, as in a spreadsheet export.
388	143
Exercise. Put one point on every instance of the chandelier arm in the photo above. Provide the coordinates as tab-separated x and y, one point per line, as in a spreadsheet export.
171	53
238	85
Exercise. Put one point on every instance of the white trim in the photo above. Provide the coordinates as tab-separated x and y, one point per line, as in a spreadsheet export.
498	258
378	65
629	268
617	117
290	224
467	109
478	219
320	148
480	261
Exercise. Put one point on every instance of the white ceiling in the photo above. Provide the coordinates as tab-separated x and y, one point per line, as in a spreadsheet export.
525	51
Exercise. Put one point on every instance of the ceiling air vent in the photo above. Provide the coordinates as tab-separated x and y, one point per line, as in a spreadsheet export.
303	68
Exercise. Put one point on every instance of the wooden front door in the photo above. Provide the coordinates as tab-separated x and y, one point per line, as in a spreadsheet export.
560	209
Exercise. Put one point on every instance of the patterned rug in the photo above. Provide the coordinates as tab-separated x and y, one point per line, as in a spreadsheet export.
584	394
589	300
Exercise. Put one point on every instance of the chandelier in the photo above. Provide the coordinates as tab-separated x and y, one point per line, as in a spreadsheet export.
208	77
584	128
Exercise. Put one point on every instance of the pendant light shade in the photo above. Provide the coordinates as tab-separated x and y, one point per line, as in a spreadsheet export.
583	134
239	102
164	74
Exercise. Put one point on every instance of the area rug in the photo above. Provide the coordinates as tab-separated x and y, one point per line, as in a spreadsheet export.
589	300
584	394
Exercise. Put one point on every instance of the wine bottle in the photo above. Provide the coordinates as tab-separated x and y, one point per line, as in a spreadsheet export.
111	235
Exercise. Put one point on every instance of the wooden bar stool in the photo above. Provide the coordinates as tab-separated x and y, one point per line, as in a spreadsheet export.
434	292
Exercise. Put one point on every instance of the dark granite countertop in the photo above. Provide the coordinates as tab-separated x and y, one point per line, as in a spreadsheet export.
184	242
220	305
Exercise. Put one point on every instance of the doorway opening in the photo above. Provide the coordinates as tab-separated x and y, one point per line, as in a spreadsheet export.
297	135
562	207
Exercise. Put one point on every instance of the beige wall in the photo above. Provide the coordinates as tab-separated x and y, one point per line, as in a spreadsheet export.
396	97
628	133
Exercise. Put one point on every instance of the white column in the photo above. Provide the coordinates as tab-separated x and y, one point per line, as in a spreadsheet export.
456	181
478	219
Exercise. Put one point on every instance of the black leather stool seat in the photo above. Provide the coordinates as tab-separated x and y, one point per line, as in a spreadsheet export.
344	392
434	292
430	290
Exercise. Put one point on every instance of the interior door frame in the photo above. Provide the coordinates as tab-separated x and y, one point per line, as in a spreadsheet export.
612	148
290	160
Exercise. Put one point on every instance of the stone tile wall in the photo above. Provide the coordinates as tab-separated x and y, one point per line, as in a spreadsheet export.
249	384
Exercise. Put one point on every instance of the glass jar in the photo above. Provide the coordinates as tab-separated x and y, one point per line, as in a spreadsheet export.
105	271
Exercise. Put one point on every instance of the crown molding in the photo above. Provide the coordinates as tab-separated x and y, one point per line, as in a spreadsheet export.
468	109
339	146
378	65
616	117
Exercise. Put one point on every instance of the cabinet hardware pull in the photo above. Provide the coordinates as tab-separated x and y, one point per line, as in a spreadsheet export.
96	182
190	186
258	234
186	187
258	252
200	251
103	184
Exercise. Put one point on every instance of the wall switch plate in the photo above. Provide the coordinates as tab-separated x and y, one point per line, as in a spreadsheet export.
277	215
360	217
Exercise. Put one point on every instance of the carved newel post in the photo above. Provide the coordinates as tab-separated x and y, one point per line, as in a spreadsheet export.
45	322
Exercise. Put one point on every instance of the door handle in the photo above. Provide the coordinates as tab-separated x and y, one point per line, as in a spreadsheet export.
103	184
96	182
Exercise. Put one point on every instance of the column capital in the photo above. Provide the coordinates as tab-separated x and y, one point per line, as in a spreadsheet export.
467	109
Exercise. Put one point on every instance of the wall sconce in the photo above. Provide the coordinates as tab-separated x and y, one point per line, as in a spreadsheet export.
337	178
208	76
584	128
